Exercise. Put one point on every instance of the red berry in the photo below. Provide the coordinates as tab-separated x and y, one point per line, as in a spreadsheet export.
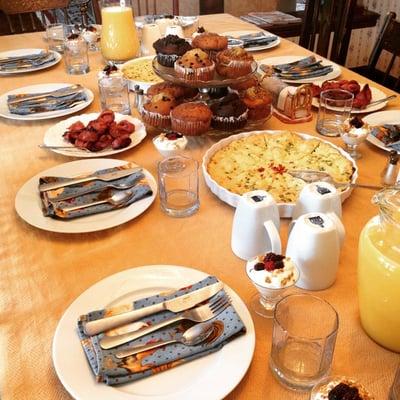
269	265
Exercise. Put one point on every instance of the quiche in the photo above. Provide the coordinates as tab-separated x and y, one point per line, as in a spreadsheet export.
262	161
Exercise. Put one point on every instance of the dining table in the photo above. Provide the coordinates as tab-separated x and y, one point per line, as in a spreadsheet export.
43	272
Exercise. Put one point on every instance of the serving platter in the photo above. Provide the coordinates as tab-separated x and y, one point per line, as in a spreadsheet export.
54	136
285	209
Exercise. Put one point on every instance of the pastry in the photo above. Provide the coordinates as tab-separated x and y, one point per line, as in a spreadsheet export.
234	62
195	65
191	118
258	101
157	112
169	48
172	89
229	114
211	43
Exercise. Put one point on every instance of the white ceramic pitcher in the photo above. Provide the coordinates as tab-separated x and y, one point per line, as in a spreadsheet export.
314	246
256	224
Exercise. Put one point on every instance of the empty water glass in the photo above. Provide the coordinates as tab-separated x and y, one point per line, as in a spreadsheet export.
114	93
334	108
55	37
179	186
76	55
303	342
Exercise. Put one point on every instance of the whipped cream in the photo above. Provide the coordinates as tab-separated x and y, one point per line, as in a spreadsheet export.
321	391
354	135
275	279
163	143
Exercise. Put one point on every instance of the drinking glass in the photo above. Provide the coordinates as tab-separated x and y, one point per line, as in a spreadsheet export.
114	94
55	37
179	186
395	389
352	139
76	55
303	340
334	108
150	33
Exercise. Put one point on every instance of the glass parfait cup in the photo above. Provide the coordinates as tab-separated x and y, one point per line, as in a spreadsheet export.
119	38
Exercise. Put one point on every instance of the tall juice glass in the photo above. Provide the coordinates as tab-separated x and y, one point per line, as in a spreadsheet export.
379	271
119	38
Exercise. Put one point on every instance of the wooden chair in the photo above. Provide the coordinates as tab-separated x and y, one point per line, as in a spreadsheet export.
140	7
323	17
22	15
388	39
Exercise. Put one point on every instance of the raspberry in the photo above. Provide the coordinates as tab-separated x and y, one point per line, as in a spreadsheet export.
273	257
269	265
173	135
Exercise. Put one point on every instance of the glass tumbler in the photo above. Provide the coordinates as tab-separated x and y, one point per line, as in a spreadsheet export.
303	340
334	108
55	37
179	186
76	55
114	94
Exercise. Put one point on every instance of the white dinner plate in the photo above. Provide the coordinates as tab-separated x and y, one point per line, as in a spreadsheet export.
210	377
288	59
23	52
381	118
376	95
285	209
29	206
54	136
236	35
45	87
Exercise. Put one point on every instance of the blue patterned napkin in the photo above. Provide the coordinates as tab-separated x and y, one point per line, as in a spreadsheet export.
55	201
112	371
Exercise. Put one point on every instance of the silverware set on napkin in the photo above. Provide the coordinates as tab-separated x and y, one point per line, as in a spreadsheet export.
26	61
29	103
187	306
257	39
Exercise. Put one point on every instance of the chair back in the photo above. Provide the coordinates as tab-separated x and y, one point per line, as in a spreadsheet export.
389	40
323	18
22	16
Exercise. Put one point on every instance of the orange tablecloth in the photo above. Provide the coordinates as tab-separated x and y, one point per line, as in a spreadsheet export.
41	273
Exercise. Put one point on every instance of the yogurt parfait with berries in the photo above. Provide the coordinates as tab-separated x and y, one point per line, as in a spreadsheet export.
272	274
339	387
170	144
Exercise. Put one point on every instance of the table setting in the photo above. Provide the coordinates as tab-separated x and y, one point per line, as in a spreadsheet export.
198	244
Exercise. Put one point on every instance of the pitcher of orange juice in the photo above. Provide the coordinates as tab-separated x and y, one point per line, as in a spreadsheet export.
379	271
119	38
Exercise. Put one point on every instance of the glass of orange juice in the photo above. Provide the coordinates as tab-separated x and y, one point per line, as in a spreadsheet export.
379	271
119	38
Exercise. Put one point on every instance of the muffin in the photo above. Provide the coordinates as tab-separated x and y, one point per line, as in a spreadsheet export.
258	101
211	43
233	63
244	85
177	91
191	118
169	48
157	112
195	65
229	114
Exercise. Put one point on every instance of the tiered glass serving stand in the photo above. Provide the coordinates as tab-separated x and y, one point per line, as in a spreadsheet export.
205	89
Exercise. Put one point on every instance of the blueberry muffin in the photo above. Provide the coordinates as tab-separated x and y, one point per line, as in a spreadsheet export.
157	112
169	48
195	65
177	91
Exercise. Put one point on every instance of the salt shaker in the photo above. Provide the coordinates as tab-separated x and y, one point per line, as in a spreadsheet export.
391	171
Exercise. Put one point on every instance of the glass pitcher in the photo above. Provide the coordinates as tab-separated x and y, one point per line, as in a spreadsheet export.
119	38
379	271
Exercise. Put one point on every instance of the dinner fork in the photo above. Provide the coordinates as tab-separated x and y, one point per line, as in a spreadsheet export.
199	314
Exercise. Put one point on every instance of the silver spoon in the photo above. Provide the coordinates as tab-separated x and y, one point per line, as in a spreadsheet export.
117	199
195	335
310	176
375	102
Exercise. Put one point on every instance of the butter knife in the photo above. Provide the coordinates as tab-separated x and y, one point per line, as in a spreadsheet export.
177	304
110	176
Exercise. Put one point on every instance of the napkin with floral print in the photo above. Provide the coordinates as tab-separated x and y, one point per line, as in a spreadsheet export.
55	202
112	371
